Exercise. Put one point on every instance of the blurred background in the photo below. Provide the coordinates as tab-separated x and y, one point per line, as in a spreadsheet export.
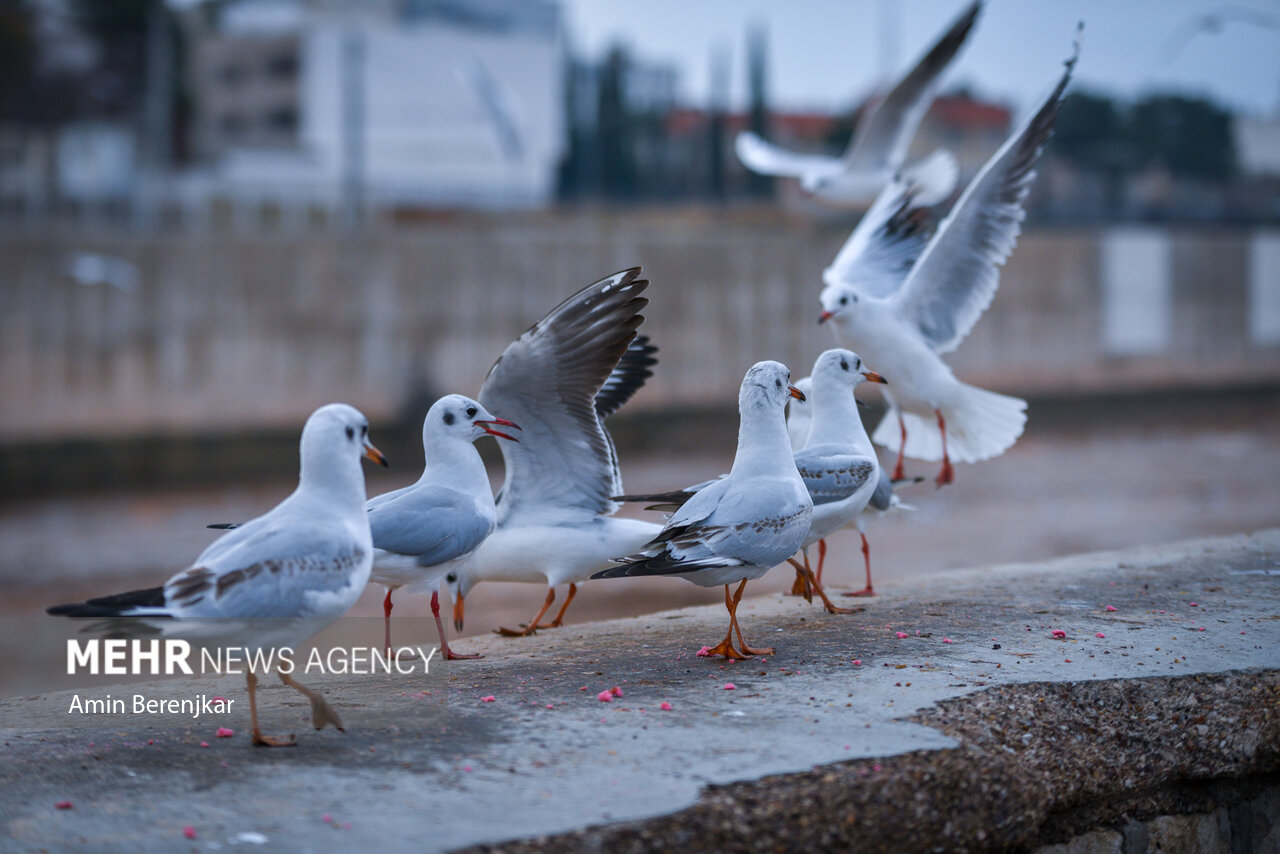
216	216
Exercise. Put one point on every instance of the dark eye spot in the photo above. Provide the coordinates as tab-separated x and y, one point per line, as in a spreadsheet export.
844	365
844	300
778	383
448	418
364	429
471	412
351	433
451	577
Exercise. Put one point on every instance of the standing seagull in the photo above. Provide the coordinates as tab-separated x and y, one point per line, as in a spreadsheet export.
421	531
555	522
905	330
837	463
737	527
275	581
879	145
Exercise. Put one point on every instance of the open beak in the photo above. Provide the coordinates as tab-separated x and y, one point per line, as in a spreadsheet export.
825	316
795	392
457	612
873	377
484	425
372	453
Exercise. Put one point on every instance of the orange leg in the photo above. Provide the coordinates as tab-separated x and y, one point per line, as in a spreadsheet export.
866	559
817	588
726	647
449	655
946	475
532	625
258	738
822	557
386	617
902	447
733	624
801	586
559	620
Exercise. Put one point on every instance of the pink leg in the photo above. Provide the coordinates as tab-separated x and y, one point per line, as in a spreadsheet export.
897	467
449	655
822	558
866	559
946	475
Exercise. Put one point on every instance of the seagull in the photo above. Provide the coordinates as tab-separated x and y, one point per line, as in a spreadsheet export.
879	145
739	526
905	325
837	463
558	381
883	499
275	581
421	531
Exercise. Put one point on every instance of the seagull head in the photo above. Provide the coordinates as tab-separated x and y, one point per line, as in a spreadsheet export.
334	439
837	301
459	584
461	417
843	367
767	385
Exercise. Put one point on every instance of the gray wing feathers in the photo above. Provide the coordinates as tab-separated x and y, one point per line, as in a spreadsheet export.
833	477
882	498
432	525
955	279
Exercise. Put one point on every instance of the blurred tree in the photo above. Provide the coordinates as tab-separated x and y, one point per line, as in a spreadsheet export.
1188	135
760	186
1089	129
617	159
119	30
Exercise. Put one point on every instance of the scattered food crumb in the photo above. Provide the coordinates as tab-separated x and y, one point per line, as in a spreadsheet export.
1111	607
346	825
605	696
189	832
705	652
947	640
729	686
857	662
1099	635
901	635
488	699
62	805
1059	634
326	818
666	707
204	744
615	691
224	732
466	768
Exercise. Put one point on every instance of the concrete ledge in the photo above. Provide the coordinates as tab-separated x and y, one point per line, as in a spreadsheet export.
976	729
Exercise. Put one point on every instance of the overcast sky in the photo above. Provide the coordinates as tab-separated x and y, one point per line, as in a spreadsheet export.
826	54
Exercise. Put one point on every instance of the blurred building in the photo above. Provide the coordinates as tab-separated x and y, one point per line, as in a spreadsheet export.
382	103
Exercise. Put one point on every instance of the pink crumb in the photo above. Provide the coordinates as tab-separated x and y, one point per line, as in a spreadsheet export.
875	767
1067	660
705	652
1194	604
550	706
729	686
466	768
326	818
666	707
947	640
1059	633
488	699
1111	607
218	700
224	732
189	832
62	805
901	635
857	662
346	825
605	697
1099	635
204	744
615	691
1201	629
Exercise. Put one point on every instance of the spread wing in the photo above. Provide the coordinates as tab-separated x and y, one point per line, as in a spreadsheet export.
431	523
627	377
832	477
886	243
547	381
882	139
953	282
765	158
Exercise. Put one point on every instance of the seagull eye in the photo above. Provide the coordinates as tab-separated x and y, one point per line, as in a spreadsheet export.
844	300
471	412
364	429
451	577
351	433
778	383
448	418
844	366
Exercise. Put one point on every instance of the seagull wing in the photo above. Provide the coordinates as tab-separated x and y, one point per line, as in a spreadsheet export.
882	139
547	381
886	243
832	475
429	522
765	158
953	282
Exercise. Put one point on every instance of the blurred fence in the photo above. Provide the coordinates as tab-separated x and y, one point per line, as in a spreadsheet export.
114	334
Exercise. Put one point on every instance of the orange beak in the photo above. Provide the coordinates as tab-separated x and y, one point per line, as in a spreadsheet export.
372	453
458	606
825	316
795	392
873	377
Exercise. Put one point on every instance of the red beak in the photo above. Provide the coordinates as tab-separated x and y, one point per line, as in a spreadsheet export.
825	316
484	425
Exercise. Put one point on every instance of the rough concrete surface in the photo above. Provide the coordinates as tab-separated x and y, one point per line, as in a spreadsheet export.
977	728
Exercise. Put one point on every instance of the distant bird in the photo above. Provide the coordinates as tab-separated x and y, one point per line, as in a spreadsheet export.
558	381
904	326
421	531
881	140
1212	23
738	527
275	581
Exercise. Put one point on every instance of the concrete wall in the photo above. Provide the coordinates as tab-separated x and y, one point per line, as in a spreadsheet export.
228	331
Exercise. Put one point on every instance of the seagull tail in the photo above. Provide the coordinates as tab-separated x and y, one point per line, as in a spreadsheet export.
135	603
981	424
934	178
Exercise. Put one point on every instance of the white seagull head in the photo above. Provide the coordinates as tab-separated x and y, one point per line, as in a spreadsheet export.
838	302
334	439
456	416
767	386
844	368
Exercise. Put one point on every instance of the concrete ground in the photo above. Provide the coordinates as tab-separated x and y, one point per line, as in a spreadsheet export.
428	764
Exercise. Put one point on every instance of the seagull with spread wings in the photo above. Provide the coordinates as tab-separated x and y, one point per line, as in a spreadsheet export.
558	381
278	579
880	142
904	325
